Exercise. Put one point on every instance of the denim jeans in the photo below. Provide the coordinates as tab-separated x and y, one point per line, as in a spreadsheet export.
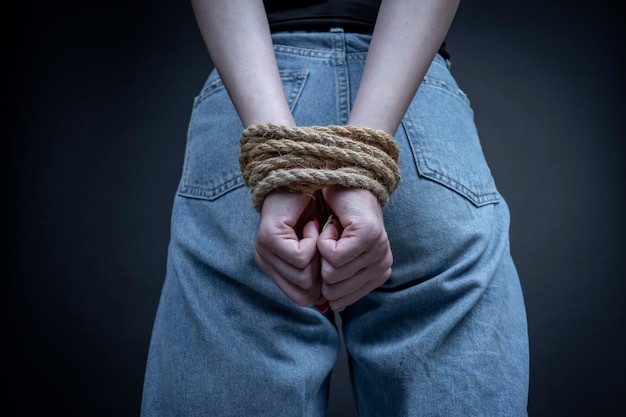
445	336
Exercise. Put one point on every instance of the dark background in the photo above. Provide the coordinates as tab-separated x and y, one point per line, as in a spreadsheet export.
97	99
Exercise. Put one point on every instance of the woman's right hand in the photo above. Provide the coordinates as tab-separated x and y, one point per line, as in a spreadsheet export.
355	252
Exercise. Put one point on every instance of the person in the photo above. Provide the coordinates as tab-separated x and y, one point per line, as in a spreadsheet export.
431	304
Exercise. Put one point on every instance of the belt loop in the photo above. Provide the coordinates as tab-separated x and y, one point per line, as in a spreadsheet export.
339	42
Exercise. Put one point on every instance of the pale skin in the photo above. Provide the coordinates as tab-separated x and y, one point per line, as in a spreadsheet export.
352	256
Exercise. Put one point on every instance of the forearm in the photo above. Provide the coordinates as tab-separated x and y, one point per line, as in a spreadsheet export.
239	42
405	40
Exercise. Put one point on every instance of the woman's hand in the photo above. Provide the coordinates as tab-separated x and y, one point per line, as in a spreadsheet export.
355	253
286	246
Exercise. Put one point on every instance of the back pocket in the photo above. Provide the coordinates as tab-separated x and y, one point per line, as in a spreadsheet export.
211	167
442	135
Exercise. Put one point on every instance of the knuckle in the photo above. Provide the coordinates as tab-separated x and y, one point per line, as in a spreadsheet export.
383	270
306	279
305	299
332	259
330	293
303	282
300	260
330	275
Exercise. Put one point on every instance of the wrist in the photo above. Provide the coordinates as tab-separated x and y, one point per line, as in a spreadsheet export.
277	113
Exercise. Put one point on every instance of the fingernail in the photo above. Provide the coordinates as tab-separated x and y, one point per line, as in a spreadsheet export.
322	308
317	224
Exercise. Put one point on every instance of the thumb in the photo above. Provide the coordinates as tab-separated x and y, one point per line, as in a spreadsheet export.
310	235
310	230
327	240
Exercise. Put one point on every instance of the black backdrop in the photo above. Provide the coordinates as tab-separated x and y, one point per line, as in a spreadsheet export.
97	99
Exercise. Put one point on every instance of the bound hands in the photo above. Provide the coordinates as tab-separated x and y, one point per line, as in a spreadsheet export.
339	265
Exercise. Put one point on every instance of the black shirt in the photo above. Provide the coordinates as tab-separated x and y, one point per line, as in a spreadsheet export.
321	15
351	15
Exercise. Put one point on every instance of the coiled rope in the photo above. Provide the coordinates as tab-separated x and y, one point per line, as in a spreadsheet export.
305	159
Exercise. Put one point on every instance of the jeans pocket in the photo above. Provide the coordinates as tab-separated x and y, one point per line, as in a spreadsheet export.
444	141
211	167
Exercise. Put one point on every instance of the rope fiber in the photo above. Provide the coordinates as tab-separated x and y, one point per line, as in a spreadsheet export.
305	159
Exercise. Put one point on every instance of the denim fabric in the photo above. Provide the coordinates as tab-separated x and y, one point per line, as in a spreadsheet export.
445	336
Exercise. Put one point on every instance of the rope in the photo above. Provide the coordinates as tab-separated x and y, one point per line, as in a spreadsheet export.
306	159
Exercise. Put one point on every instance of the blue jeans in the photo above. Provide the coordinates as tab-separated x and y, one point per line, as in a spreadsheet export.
445	336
